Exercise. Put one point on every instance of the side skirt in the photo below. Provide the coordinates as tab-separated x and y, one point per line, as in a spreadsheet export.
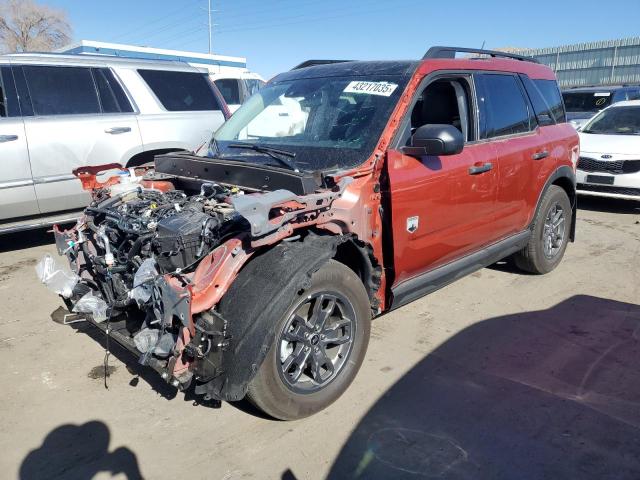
433	280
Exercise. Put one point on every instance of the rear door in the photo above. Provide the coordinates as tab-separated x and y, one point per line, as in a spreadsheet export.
508	122
17	194
80	117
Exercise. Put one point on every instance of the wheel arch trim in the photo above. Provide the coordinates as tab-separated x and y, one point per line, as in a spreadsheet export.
565	178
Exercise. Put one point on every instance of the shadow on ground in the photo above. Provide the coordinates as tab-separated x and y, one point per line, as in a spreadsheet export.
611	205
26	239
79	452
542	394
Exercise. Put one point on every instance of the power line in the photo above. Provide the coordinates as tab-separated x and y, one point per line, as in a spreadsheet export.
305	18
144	28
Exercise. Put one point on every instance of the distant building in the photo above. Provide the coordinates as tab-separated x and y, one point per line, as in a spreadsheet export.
611	62
214	63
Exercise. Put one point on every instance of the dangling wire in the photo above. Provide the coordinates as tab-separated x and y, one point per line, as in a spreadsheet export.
107	352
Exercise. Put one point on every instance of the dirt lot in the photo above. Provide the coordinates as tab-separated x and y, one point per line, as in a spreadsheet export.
500	375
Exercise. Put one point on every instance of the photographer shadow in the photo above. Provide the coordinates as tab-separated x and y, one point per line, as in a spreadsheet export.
79	452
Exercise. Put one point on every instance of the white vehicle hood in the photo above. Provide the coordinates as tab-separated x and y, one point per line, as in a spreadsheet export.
610	144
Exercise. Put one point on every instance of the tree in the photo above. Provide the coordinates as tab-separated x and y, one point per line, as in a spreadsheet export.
26	26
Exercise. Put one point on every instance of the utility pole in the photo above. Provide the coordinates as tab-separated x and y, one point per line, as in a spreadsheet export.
210	33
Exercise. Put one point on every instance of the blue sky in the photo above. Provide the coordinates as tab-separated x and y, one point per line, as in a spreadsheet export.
275	35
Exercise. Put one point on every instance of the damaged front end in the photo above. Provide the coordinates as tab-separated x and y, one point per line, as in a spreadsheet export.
154	253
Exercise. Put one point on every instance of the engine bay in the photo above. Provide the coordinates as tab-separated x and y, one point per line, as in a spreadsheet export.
154	253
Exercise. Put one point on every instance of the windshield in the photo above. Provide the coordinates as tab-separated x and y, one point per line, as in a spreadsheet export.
586	101
327	123
616	121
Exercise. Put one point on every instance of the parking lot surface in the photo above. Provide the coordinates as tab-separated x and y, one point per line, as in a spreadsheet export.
500	375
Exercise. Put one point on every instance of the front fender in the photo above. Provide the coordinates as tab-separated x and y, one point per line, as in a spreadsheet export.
255	302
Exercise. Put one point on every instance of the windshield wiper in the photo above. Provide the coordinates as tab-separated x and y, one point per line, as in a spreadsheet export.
281	156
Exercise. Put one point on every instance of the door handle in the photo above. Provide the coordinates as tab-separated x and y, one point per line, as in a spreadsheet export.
540	155
8	138
117	130
475	170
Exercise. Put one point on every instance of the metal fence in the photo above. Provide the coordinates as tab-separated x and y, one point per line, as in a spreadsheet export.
596	63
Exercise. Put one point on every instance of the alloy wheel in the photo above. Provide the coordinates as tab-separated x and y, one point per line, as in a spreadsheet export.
554	230
316	341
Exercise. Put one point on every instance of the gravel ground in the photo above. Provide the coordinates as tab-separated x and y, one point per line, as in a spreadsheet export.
500	375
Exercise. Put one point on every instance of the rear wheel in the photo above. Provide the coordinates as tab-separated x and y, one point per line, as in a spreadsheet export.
319	345
550	233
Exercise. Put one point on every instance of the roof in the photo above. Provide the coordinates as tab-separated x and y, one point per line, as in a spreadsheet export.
596	88
626	103
408	67
93	60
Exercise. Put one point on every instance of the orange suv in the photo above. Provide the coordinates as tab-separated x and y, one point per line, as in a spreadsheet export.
339	191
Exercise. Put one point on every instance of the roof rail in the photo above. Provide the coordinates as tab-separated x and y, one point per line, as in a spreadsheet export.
312	63
450	52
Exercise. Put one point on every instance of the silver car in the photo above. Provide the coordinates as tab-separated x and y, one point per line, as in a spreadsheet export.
60	112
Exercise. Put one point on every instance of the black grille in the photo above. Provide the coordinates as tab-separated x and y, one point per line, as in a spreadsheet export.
609	189
618	166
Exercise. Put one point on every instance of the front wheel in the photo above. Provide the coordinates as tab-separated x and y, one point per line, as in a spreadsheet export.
319	346
550	233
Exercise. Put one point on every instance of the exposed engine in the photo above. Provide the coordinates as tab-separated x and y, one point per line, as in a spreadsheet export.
172	227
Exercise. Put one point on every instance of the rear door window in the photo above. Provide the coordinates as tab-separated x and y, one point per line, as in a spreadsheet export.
230	90
503	108
112	96
61	90
181	91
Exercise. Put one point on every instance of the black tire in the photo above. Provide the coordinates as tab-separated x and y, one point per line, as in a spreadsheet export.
545	250
270	392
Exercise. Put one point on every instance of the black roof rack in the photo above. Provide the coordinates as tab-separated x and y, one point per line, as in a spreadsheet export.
311	63
450	52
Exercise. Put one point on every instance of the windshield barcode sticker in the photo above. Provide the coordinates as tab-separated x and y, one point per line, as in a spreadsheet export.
602	94
384	89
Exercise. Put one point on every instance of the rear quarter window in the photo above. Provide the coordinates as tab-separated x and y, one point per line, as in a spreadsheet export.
546	99
553	98
181	91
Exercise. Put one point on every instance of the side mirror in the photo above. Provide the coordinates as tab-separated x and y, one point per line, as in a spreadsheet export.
544	120
435	139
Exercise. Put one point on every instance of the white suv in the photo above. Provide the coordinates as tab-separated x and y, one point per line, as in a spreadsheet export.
61	112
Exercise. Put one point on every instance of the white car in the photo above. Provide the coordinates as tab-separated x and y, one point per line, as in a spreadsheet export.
609	163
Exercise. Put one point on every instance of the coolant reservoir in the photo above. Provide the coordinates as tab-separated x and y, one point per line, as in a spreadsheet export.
128	182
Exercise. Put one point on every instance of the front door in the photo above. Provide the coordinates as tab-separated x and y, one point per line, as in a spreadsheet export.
17	195
441	207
